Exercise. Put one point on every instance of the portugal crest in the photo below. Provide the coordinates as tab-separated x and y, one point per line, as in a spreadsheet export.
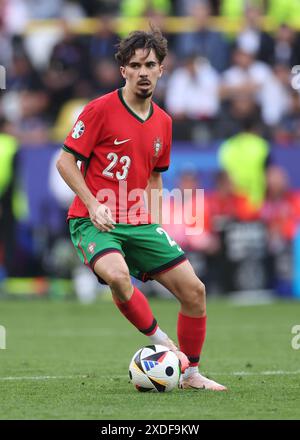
91	247
157	146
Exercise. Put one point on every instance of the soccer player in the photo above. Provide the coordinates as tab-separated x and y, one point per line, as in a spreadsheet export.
123	141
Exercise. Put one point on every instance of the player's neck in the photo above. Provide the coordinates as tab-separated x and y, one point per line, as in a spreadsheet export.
139	106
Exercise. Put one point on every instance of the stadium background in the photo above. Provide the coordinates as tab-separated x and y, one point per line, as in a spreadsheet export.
228	74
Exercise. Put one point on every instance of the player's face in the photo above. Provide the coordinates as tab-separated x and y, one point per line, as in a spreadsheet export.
142	72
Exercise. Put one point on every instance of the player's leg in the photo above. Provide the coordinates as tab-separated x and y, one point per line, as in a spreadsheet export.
113	269
191	327
103	253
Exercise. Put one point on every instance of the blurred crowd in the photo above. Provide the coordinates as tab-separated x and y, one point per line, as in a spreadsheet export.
237	88
220	78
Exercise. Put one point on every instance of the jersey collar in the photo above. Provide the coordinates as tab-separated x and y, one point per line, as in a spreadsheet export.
120	94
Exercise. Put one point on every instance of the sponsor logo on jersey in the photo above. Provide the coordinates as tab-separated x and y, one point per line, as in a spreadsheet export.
78	130
116	142
91	247
157	144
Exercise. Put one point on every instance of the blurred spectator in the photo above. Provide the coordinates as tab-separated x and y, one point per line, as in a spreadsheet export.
204	41
8	152
106	77
193	90
103	42
5	44
245	157
69	54
25	97
137	8
44	9
281	214
224	204
40	40
231	118
59	86
21	74
192	97
96	7
162	84
252	36
184	7
68	67
281	208
284	11
246	75
287	46
249	76
28	111
225	209
276	95
15	15
236	9
288	130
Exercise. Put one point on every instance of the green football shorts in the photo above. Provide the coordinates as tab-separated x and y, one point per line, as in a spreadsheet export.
147	249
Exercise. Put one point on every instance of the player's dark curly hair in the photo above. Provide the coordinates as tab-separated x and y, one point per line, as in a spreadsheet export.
142	40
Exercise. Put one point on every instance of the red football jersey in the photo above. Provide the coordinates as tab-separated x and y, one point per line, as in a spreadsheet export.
119	151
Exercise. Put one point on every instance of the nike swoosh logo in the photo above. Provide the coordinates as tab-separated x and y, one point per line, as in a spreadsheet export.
116	142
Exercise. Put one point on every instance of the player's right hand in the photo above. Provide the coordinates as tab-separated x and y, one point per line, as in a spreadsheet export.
101	217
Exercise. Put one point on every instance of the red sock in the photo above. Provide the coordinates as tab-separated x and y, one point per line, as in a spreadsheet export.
191	335
137	310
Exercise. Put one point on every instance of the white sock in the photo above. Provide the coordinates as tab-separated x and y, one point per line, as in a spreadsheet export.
158	337
190	371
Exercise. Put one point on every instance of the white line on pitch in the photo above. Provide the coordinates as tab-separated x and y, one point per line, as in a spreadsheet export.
234	373
258	373
41	377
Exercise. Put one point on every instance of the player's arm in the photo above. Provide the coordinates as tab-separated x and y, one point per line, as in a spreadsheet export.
100	214
155	202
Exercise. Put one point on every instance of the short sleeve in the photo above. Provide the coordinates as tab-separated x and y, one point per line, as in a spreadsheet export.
85	133
163	161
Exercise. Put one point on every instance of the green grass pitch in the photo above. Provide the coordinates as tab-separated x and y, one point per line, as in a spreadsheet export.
68	361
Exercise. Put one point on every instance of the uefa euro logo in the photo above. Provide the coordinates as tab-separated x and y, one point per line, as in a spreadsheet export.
2	78
2	338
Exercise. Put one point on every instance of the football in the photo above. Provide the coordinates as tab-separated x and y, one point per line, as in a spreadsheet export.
154	368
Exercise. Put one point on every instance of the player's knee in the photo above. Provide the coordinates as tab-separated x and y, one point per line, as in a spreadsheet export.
197	298
119	279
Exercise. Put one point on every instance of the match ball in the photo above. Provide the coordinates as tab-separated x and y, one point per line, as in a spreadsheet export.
154	368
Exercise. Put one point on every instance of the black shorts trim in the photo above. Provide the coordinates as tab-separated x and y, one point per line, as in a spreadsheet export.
148	275
99	255
160	169
77	155
150	329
